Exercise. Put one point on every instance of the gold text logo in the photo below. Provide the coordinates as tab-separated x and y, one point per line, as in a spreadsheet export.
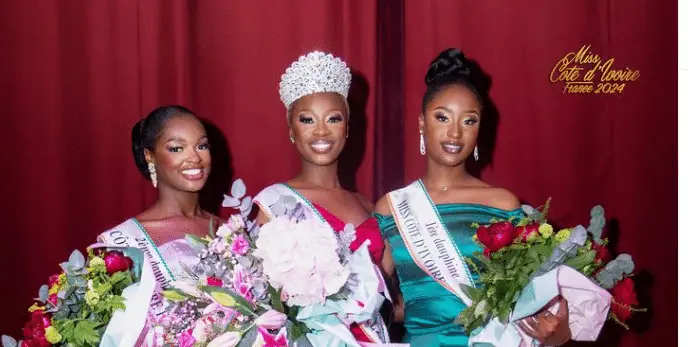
584	72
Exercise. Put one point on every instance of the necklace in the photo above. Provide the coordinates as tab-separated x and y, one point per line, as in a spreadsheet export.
441	188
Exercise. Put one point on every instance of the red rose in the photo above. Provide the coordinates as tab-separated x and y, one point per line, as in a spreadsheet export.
215	282
53	299
624	298
523	232
496	236
602	253
116	261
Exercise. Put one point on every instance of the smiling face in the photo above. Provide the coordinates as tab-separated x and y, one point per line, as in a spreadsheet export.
318	125
450	125
181	154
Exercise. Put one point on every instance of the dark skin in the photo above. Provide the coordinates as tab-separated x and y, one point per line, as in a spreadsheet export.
182	162
318	125
450	126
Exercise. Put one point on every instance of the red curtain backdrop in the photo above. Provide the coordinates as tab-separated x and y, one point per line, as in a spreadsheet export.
617	150
76	75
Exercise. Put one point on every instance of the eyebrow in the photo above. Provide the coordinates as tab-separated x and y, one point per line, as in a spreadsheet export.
179	139
450	111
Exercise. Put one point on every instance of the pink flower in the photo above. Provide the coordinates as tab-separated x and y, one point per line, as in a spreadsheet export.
280	340
185	339
239	245
215	282
53	299
271	320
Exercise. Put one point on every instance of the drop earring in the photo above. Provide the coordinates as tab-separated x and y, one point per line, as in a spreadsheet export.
422	144
153	174
291	138
475	153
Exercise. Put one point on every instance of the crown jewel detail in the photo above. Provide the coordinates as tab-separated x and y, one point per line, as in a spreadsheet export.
315	72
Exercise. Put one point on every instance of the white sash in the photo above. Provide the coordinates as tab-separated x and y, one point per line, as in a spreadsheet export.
377	331
427	239
131	234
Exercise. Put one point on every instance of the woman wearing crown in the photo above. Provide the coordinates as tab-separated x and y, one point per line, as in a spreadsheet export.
314	91
426	225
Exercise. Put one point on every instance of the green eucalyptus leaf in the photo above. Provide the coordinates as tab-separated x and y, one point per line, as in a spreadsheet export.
77	260
8	341
43	293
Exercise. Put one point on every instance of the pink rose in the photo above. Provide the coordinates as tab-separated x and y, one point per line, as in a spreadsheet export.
239	245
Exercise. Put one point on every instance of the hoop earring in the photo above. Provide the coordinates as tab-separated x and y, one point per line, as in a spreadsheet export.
475	153
422	144
153	174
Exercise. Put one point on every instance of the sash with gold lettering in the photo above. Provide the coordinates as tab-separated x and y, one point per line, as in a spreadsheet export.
272	201
131	234
427	239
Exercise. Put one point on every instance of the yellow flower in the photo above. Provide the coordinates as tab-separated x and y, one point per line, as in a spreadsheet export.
532	237
97	264
545	230
562	235
52	335
35	307
92	298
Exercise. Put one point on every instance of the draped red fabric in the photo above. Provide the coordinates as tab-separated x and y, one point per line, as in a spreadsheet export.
76	75
617	150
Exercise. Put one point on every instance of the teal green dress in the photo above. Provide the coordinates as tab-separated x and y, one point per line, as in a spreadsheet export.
429	308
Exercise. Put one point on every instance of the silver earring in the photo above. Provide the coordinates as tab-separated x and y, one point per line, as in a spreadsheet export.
291	138
153	174
475	153
422	144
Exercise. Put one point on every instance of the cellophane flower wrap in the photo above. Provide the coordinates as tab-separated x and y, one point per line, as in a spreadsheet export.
74	308
525	260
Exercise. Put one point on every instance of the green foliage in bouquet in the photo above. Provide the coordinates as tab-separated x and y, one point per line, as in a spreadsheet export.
77	304
516	251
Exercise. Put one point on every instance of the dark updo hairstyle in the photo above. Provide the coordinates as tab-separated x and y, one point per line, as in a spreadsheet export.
449	68
146	132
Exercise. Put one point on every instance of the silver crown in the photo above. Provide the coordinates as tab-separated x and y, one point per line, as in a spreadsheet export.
315	72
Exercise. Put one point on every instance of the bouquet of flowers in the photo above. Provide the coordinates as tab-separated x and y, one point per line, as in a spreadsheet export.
525	264
251	289
74	308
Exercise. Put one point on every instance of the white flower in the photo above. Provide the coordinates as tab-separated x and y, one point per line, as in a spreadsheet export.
236	223
228	339
203	329
223	231
302	259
